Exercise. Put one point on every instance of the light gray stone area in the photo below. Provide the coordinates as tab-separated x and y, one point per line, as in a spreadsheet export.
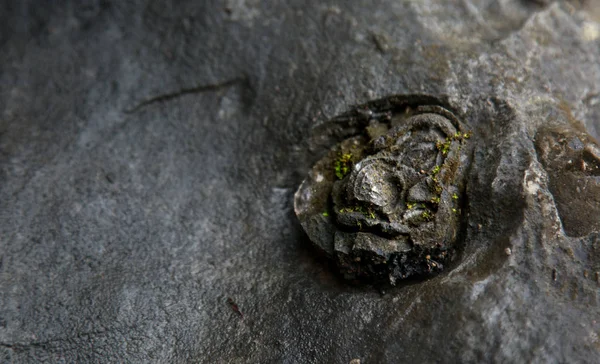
149	154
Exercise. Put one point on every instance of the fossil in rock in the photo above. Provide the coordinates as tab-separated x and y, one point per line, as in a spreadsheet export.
385	202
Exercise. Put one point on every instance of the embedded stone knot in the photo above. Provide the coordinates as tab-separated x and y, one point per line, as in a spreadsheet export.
385	203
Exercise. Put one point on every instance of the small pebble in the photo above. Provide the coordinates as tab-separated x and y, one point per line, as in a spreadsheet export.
508	251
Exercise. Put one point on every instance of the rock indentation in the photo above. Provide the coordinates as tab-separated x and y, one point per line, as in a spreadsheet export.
572	160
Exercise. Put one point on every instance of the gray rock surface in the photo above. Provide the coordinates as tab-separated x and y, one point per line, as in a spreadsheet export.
149	154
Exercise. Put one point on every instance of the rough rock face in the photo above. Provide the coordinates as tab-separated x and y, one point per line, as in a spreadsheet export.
150	152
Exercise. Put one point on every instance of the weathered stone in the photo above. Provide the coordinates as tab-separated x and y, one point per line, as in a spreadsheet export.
150	151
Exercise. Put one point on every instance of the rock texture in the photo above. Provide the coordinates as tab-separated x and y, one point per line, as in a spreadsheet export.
149	154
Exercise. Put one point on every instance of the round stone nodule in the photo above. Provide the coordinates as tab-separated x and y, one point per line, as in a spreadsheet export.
384	203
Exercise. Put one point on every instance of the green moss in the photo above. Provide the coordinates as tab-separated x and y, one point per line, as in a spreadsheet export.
367	212
435	200
444	147
410	206
435	170
344	210
326	214
426	215
343	165
461	136
454	196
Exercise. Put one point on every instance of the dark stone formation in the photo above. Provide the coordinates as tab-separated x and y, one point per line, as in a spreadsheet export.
385	203
150	152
